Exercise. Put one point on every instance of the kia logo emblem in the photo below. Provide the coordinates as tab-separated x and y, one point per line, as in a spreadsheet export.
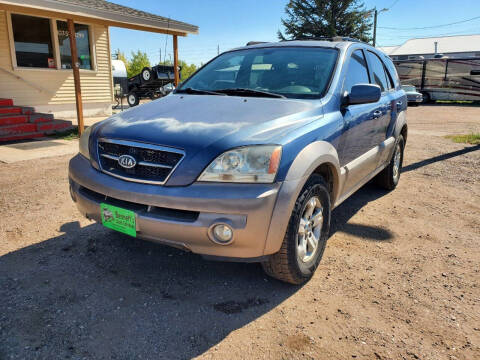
127	161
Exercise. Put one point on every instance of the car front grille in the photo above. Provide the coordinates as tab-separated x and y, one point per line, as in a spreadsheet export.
154	164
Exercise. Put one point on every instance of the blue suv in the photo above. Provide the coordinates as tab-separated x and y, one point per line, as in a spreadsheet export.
247	158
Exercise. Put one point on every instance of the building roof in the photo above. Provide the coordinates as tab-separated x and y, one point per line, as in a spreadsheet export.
387	49
112	14
445	45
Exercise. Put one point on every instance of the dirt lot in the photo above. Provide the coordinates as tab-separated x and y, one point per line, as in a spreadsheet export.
399	279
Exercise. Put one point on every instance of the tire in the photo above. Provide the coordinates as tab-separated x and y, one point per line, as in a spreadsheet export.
133	99
389	177
426	98
291	264
147	74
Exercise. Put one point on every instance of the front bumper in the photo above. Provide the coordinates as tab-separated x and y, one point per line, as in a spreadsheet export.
182	216
415	99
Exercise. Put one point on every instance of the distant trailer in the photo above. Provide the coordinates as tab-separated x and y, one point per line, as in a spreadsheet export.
153	82
120	79
454	79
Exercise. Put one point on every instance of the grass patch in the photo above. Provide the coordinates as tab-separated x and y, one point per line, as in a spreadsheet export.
71	134
473	139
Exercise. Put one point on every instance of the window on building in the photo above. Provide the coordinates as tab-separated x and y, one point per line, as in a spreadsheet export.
33	41
83	46
378	71
357	71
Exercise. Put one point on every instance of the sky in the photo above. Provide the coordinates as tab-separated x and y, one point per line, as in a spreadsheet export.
226	24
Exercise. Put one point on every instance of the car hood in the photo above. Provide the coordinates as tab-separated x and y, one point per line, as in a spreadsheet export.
206	125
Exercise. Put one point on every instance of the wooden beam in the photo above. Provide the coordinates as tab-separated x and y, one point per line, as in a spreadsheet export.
175	60
76	74
86	19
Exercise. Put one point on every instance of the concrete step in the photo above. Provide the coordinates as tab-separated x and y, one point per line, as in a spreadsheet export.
13	119
23	136
17	129
40	117
6	102
6	110
27	110
54	126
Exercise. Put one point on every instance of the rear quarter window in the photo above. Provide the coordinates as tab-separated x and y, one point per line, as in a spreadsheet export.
392	71
377	71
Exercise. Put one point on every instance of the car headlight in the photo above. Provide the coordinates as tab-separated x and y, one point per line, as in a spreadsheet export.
250	164
83	143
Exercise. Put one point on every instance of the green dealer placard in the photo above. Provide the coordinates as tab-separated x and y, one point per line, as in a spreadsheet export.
118	219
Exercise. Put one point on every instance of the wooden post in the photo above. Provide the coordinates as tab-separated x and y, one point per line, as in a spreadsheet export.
175	60
76	74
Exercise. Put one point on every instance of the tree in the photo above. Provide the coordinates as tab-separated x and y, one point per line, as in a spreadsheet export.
187	70
326	18
138	61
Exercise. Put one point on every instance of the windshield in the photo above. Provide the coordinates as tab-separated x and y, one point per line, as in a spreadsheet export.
409	88
293	72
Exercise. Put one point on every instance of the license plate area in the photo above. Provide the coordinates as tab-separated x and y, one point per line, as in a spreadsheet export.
118	219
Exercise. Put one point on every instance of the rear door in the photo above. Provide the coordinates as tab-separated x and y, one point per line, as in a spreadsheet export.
382	114
359	124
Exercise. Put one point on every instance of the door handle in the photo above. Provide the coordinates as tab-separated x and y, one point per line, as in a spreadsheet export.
377	114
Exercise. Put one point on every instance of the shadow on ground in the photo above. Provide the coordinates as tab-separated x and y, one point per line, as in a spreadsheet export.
343	213
442	157
93	293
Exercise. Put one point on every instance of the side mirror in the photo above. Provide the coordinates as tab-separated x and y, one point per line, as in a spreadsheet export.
475	72
363	94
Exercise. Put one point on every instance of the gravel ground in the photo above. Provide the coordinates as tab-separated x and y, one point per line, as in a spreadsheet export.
399	278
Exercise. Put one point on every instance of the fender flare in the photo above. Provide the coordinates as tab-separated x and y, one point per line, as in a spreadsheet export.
306	162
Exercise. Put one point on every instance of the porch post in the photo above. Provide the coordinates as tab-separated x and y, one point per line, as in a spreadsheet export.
175	60
76	74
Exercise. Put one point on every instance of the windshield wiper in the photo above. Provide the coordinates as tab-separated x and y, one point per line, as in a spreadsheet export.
190	90
250	92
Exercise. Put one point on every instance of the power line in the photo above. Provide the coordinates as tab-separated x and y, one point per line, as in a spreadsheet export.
394	3
430	27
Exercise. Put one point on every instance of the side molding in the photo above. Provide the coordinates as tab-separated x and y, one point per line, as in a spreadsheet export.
310	158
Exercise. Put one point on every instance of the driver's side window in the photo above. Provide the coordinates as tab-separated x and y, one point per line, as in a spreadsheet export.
357	72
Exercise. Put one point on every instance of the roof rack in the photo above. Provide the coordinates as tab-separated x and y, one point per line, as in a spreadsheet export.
250	43
327	38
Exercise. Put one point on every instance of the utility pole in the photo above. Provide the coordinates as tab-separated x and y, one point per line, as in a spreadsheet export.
375	15
160	52
218	49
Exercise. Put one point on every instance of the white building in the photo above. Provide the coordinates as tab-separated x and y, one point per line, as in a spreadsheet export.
426	48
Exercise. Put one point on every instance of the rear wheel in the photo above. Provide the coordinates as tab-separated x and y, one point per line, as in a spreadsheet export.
306	235
389	177
133	99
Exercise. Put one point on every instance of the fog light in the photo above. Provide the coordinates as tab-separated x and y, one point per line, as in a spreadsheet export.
222	233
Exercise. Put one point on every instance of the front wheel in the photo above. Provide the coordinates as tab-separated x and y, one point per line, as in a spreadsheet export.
306	235
426	98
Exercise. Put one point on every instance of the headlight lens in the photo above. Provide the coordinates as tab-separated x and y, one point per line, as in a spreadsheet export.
251	164
83	143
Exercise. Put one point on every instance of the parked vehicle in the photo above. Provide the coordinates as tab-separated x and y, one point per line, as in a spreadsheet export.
152	83
443	79
248	158
413	96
